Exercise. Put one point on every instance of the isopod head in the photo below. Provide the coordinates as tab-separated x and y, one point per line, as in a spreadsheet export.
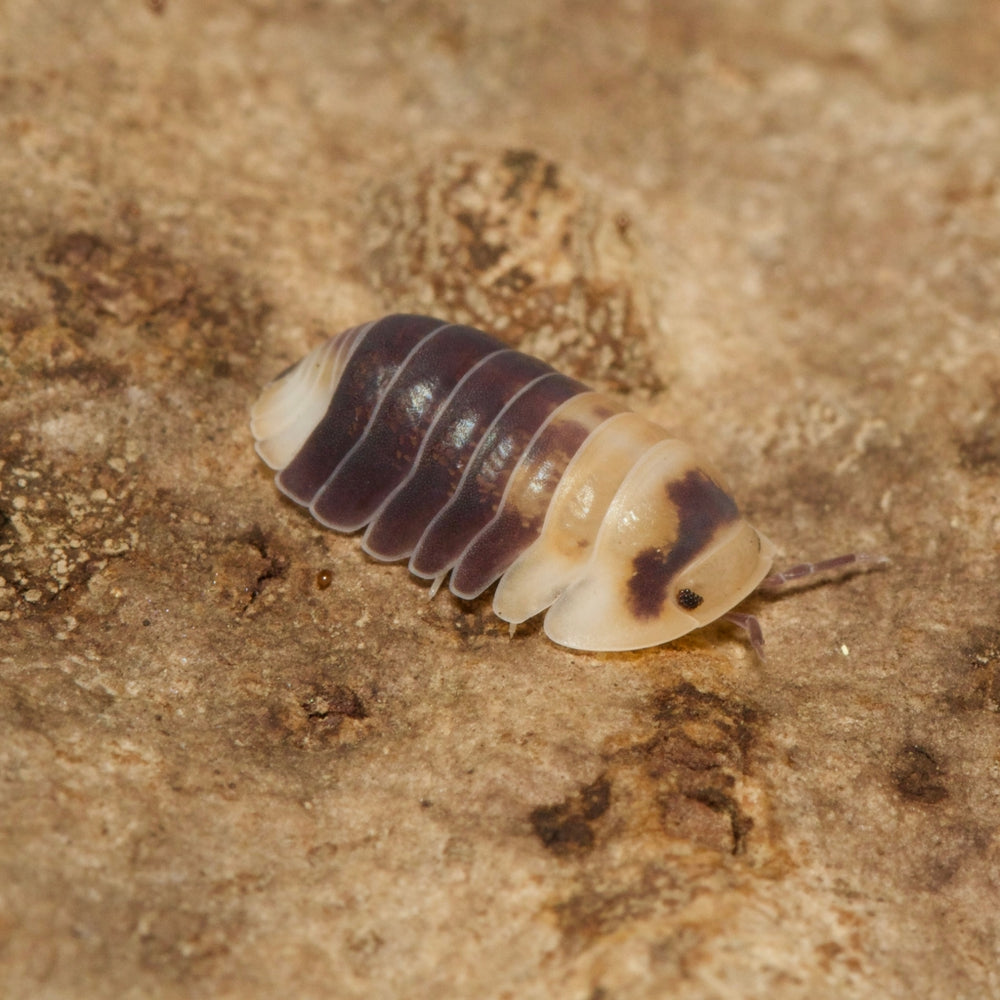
672	553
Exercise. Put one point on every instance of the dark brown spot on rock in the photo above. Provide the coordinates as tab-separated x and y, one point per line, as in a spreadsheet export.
560	831
567	827
981	451
979	686
95	374
601	909
521	163
196	318
77	248
336	700
22	321
313	715
698	761
516	279
979	447
918	777
272	565
595	799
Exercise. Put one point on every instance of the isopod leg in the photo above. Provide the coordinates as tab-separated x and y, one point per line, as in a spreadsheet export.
751	626
805	570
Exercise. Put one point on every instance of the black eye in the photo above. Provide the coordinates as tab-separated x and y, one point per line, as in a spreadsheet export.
688	599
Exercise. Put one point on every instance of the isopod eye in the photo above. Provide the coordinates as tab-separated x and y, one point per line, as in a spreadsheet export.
688	599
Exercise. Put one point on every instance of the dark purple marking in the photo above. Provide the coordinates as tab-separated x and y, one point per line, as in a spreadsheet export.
481	490
449	443
372	365
386	450
702	508
515	528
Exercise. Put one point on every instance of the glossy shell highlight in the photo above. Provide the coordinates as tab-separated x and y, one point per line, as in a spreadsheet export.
468	458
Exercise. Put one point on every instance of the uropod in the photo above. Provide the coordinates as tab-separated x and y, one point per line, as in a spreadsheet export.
469	458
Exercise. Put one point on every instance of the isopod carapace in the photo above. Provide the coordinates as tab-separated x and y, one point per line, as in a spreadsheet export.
467	457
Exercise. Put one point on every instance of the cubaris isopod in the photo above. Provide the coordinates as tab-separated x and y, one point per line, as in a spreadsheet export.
467	457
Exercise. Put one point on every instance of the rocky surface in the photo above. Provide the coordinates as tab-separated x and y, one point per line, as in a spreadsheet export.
239	759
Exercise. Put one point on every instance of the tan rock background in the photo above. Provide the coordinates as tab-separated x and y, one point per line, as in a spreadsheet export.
773	226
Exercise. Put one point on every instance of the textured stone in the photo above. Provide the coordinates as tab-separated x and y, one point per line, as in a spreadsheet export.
239	759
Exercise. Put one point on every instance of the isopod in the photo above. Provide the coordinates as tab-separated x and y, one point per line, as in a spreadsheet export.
467	457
